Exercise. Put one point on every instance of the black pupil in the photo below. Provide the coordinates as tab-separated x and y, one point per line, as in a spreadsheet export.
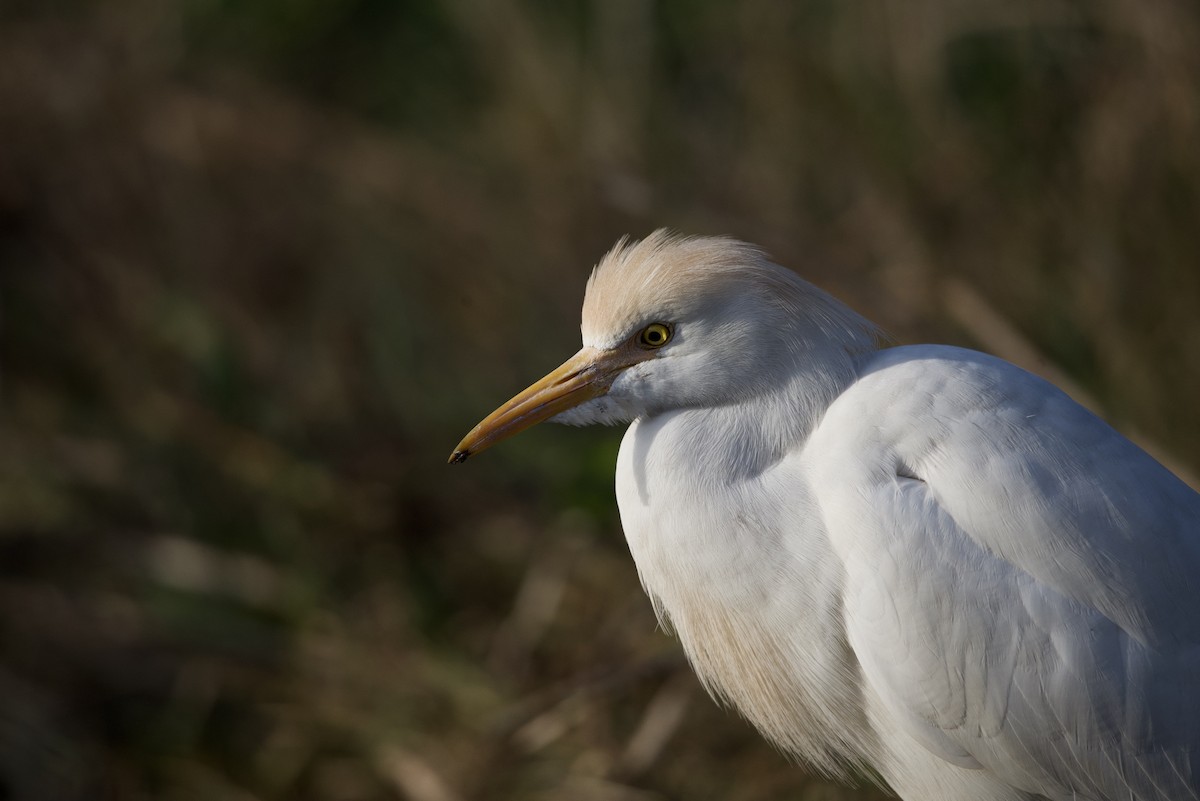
654	336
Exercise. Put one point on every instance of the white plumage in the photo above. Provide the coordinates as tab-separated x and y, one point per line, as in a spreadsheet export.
919	560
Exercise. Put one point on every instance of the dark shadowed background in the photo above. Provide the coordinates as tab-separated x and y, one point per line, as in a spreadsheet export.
263	263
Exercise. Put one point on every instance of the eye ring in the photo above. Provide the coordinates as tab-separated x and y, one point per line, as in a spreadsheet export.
655	335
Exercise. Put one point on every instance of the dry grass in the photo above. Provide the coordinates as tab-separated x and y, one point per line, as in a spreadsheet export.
262	264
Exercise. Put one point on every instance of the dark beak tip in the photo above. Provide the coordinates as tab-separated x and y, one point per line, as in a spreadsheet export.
458	457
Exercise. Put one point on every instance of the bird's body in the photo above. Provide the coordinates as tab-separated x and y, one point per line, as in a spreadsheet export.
922	561
890	591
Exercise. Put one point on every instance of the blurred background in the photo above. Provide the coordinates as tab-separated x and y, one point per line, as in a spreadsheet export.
262	264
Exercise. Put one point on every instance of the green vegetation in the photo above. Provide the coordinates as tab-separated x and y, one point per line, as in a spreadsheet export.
262	264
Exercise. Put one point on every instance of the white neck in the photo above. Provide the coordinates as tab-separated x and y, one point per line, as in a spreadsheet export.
771	644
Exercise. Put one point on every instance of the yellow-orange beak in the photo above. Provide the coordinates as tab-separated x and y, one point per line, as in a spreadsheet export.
586	375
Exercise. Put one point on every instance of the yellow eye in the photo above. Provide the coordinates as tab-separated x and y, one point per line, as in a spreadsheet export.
654	335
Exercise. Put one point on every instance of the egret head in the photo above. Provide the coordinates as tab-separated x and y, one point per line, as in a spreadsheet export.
673	322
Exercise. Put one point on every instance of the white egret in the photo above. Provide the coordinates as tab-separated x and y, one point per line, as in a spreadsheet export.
918	560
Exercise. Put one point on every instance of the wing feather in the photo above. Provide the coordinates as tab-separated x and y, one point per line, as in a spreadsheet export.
1023	583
